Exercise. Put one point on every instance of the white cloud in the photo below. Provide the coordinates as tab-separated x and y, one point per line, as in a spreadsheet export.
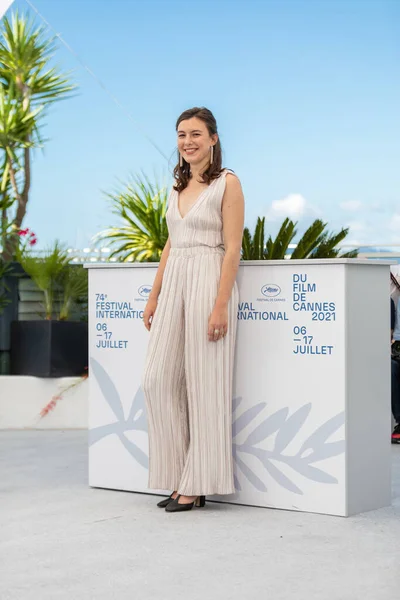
351	205
293	206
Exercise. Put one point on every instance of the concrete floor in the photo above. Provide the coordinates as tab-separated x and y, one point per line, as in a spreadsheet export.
62	540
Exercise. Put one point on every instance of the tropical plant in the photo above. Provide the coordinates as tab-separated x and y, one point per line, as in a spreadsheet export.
46	272
316	242
63	285
141	206
74	285
28	86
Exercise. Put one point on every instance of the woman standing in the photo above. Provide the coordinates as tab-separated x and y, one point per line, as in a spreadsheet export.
191	316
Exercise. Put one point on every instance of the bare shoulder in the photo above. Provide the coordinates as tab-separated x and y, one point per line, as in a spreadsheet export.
232	181
233	189
233	194
232	184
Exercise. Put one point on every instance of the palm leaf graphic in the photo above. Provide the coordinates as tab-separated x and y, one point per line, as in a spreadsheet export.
235	402
317	439
280	478
275	473
250	476
136	419
135	451
238	487
312	473
325	451
314	449
137	415
267	427
108	389
291	428
246	418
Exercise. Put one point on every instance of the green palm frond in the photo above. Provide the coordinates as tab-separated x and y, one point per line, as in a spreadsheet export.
17	123
6	197
141	207
253	248
315	242
327	247
349	254
74	283
277	248
259	239
246	245
25	52
46	271
310	240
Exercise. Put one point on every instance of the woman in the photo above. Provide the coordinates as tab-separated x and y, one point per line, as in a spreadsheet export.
191	316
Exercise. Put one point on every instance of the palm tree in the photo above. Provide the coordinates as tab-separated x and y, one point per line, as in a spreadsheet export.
142	207
28	86
316	242
16	126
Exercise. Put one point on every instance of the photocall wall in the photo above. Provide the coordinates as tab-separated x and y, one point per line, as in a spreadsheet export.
288	421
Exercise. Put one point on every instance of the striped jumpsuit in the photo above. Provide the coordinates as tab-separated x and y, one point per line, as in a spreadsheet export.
187	380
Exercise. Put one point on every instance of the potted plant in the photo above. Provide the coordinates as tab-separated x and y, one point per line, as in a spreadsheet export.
54	346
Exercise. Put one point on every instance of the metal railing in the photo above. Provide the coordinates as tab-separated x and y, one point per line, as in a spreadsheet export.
370	251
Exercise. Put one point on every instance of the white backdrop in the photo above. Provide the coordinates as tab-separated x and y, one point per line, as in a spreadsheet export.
289	404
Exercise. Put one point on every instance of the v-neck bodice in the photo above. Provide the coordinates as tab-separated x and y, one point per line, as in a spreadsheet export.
202	224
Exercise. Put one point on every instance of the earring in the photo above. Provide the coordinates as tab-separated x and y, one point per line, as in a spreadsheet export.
180	160
212	155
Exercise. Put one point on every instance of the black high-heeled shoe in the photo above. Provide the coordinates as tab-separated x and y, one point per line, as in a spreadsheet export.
165	502
174	506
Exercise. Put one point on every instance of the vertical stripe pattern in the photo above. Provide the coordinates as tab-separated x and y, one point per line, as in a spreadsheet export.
187	380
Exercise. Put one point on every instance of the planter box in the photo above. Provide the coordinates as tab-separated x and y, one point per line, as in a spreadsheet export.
10	311
9	286
49	348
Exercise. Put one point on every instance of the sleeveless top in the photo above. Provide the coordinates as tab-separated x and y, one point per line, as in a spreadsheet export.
202	224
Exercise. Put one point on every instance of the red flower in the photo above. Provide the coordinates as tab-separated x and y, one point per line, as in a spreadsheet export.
32	238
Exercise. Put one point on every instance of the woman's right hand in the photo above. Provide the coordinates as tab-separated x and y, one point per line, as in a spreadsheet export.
148	313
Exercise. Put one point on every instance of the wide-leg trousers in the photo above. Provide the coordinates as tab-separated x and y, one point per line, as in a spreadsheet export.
187	380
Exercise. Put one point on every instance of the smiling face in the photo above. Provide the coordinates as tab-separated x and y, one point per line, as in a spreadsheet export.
194	141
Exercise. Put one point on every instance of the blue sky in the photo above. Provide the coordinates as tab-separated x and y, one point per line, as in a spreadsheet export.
306	94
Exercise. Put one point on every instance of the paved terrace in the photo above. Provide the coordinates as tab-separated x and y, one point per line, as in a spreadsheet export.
61	539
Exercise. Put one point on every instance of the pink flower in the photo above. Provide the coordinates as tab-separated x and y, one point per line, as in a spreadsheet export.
32	238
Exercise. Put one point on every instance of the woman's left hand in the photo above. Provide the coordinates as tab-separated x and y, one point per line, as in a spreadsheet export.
218	324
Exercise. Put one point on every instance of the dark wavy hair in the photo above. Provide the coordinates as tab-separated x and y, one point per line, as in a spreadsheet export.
182	174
